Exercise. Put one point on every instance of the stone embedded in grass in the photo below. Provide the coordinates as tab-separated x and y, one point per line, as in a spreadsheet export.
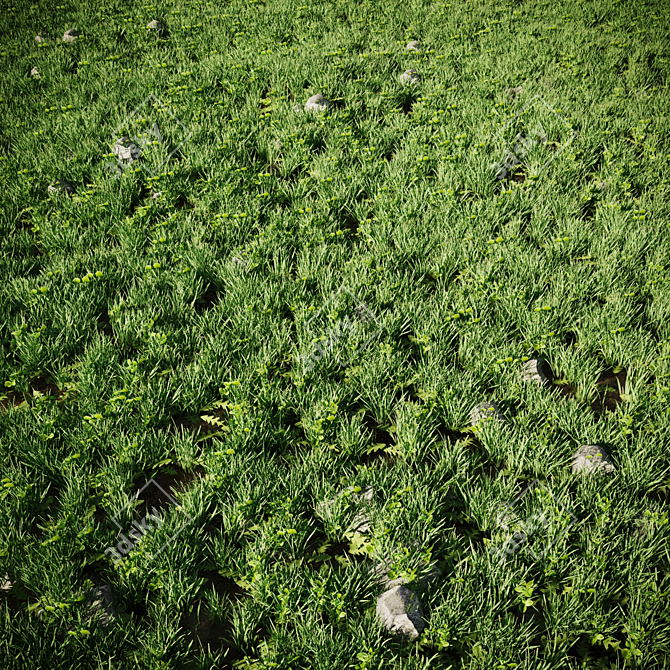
532	372
156	26
240	262
278	144
100	604
401	612
413	46
41	37
6	584
156	194
70	35
317	103
35	73
60	186
515	92
591	458
410	77
126	150
486	411
361	522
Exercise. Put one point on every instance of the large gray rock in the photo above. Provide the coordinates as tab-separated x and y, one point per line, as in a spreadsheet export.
400	611
413	46
126	150
486	411
317	103
532	372
59	186
591	458
410	77
70	35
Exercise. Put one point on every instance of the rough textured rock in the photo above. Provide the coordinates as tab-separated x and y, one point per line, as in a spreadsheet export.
317	103
361	522
400	611
126	150
156	26
60	186
70	35
486	411
532	372
100	603
413	46
410	77
591	458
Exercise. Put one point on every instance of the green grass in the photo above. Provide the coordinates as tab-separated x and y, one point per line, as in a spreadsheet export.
136	347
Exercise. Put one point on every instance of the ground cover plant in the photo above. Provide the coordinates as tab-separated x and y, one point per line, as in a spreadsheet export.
334	335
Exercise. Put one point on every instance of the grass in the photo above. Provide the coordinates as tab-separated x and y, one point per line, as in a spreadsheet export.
136	347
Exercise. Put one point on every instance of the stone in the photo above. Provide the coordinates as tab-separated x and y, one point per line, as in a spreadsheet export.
60	186
100	602
361	522
278	144
400	611
156	26
410	77
515	92
126	150
35	73
70	35
317	103
488	411
591	458
413	46
532	371
6	584
156	194
41	37
240	262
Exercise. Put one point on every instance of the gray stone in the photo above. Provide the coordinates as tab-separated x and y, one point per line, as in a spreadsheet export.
240	262
278	144
486	411
126	150
515	92
41	37
361	522
591	458
100	602
413	46
156	194
410	77
532	371
317	103
60	186
400	611
156	26
70	35
35	73
6	584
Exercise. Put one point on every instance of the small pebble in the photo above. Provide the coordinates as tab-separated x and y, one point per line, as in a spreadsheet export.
157	26
410	77
126	150
317	103
60	186
70	35
591	458
532	371
413	46
486	411
35	73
